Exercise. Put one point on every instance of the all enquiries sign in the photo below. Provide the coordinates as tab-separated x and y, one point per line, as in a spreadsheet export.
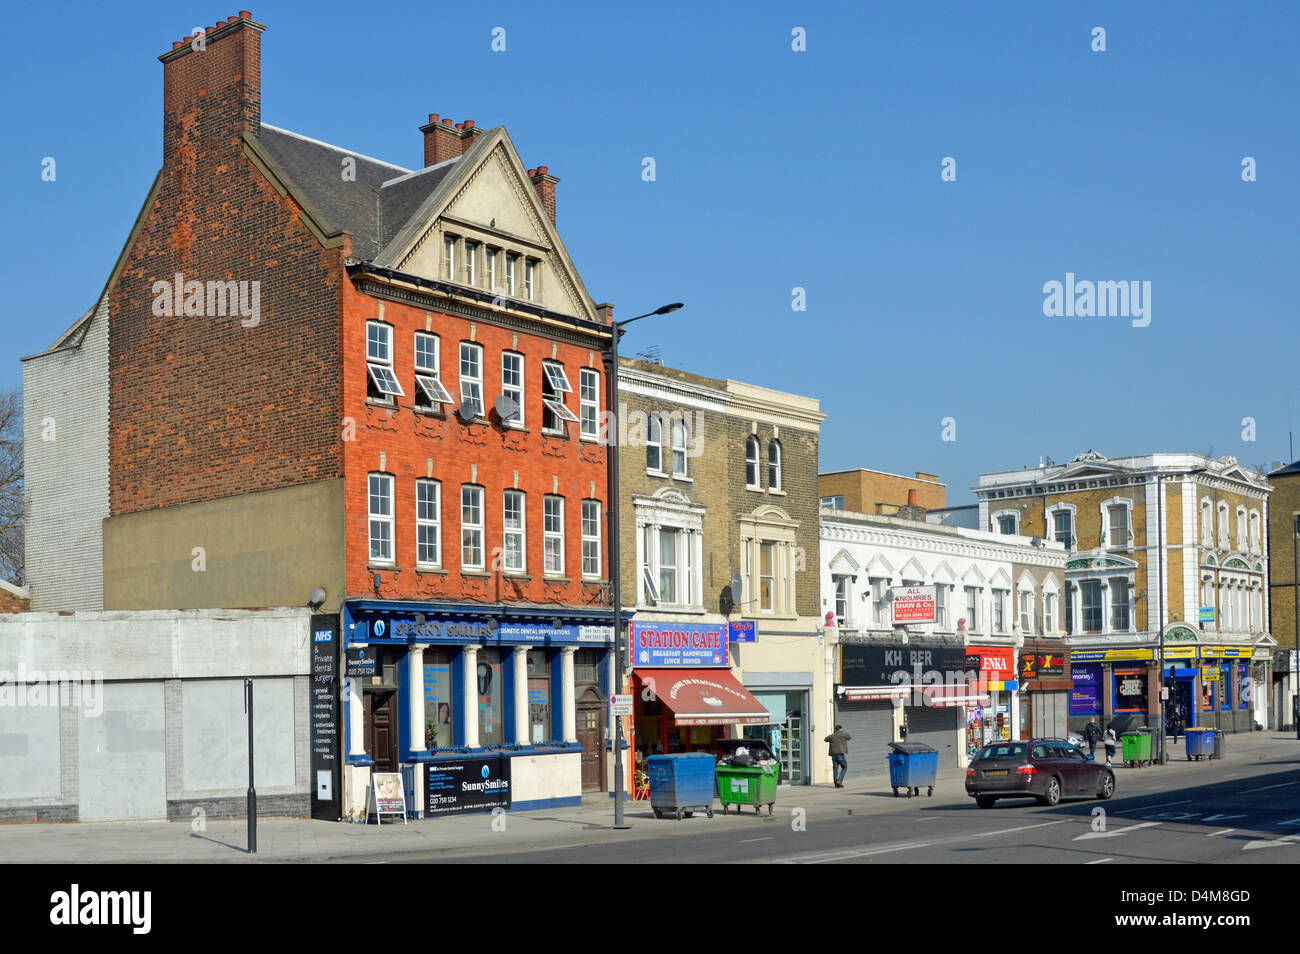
913	604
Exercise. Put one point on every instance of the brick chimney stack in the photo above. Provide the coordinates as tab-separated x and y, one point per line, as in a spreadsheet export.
544	183
212	87
443	141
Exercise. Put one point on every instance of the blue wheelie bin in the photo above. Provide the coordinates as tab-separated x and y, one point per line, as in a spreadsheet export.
1200	743
681	785
913	766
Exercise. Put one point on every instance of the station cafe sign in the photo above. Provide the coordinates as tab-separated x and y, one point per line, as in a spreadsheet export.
657	645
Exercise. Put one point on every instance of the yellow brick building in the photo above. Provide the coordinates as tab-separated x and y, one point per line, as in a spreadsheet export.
1163	549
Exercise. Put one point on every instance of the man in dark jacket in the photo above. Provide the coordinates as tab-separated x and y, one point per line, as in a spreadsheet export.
839	748
1092	735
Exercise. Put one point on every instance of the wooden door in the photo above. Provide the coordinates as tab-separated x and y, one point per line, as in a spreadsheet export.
381	730
593	749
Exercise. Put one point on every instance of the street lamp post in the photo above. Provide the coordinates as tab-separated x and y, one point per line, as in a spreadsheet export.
1295	625
1160	616
611	508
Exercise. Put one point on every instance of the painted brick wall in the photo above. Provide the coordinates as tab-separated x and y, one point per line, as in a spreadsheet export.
65	438
205	407
418	445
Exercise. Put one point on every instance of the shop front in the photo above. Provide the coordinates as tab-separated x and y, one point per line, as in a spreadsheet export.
1120	686
1211	686
684	696
1045	686
998	677
892	691
468	701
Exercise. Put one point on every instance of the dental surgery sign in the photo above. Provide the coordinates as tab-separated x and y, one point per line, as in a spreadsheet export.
664	645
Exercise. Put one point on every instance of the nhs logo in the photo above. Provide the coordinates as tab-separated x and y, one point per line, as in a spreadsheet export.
323	636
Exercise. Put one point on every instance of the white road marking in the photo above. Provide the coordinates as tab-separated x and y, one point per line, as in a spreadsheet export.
1288	840
1210	818
1163	805
1007	831
862	853
1267	787
1289	822
1224	832
1116	832
1099	861
746	841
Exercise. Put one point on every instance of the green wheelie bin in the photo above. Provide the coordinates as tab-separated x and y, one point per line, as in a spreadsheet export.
747	774
1137	746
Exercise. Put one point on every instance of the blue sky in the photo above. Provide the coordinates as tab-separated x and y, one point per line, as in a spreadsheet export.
778	169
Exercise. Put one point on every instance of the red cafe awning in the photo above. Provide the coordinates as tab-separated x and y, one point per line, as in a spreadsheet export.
704	696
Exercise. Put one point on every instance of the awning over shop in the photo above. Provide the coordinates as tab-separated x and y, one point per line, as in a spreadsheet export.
704	696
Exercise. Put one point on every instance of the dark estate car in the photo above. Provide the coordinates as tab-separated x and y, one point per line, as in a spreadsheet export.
1045	769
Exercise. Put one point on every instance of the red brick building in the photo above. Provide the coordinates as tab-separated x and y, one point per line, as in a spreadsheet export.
329	373
13	599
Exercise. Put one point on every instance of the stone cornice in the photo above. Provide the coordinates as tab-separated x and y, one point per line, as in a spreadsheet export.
940	545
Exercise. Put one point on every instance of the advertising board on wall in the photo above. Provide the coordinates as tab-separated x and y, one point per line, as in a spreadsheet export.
477	784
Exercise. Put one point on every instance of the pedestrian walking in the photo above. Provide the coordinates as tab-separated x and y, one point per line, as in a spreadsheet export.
1092	735
1178	722
1109	739
839	749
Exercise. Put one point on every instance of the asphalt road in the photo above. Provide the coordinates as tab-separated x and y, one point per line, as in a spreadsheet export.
1206	813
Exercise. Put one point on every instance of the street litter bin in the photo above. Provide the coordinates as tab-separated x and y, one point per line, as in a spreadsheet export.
747	773
913	766
1200	743
1216	751
681	785
1137	746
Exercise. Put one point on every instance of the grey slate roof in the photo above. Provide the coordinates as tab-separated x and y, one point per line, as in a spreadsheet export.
1289	469
373	208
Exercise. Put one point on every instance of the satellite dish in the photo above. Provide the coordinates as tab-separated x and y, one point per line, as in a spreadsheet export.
506	407
737	587
467	411
1036	542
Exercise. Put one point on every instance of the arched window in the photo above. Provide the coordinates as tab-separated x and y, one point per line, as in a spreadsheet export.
654	440
774	465
1207	524
751	461
679	447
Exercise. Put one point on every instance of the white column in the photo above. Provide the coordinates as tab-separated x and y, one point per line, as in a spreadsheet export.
356	718
521	695
415	695
1014	716
570	713
469	695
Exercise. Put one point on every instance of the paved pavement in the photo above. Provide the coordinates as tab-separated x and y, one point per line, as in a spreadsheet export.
1206	810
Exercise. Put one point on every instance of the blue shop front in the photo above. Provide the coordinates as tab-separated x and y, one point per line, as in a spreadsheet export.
479	706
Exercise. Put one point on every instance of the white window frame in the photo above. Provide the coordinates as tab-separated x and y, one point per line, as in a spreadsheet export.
843	598
1049	614
768	524
669	509
553	535
379	367
995	521
530	278
753	454
654	444
1207	524
1241	529
428	379
511	531
1069	509
424	523
972	608
471	348
1225	540
1113	605
1108	531
471	262
941	607
1025	611
591	556
677	429
1000	610
449	257
513	390
510	273
1256	537
774	464
555	384
379	490
589	406
471	499
490	267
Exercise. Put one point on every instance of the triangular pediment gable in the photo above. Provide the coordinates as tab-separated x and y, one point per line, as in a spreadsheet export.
487	193
1000	580
912	570
843	562
878	566
943	573
973	577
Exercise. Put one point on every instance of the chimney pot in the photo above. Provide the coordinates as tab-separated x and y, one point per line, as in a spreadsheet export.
911	497
177	44
469	124
245	15
433	117
447	121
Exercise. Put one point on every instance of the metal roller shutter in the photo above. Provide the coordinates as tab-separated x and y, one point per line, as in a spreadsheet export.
935	727
1048	714
871	725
